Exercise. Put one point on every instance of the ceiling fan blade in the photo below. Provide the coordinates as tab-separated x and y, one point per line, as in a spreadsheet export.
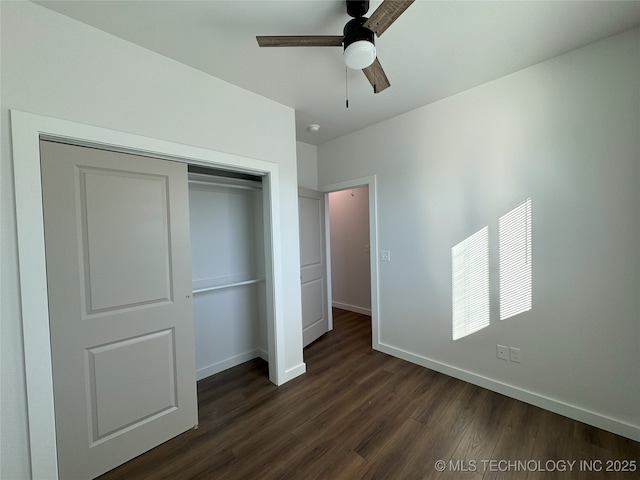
301	41
387	13
376	76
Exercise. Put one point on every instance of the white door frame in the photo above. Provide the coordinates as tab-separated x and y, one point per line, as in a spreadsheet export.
369	181
27	130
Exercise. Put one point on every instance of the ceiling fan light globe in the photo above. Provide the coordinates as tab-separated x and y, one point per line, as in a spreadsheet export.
360	54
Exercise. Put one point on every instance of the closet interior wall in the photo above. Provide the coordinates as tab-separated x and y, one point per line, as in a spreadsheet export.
228	270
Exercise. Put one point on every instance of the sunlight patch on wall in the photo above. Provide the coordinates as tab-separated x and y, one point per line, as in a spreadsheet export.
470	281
514	249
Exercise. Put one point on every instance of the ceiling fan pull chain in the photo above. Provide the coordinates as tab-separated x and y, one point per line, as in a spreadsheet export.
346	86
375	78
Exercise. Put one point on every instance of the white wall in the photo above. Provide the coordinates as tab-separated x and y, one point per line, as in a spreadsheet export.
564	132
55	66
350	266
307	156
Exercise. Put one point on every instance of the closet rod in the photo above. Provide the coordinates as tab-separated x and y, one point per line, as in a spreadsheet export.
226	185
228	285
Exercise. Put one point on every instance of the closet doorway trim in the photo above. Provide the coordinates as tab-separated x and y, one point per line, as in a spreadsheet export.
27	131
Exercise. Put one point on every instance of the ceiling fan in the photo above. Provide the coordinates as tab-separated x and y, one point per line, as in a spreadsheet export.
358	38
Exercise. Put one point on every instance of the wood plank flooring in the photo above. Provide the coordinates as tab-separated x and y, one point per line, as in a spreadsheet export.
361	414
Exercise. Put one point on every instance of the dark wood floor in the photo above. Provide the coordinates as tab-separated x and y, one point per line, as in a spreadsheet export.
358	413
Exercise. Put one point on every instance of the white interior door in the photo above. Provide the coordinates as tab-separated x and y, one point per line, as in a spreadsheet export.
119	283
313	265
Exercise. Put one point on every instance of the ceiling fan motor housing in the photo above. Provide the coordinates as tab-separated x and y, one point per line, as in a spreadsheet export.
357	8
354	31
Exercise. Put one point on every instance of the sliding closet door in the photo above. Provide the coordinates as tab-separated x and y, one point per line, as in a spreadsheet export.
118	272
228	272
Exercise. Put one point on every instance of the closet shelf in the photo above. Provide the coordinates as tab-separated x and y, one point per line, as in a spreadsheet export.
228	285
226	185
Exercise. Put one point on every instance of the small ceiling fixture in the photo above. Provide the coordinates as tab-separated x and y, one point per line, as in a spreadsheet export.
313	128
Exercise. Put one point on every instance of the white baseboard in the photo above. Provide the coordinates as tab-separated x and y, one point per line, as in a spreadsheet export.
352	308
263	354
292	373
586	416
207	371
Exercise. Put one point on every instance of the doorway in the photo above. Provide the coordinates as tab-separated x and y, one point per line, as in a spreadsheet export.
350	249
27	131
360	186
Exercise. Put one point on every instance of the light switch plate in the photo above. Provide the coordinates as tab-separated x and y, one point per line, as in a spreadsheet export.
502	352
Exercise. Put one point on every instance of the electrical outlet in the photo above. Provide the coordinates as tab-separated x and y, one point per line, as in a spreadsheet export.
385	256
502	352
515	354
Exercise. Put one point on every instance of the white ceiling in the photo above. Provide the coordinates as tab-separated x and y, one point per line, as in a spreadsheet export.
434	50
